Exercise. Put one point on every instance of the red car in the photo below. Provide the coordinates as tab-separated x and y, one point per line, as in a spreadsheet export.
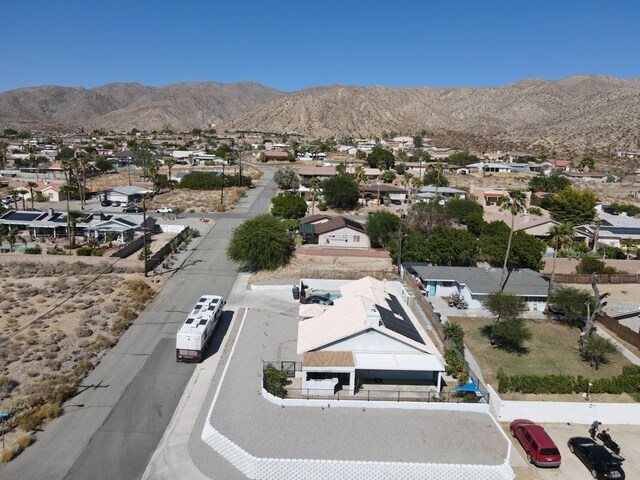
541	450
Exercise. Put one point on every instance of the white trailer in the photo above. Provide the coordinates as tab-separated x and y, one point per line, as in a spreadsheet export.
197	330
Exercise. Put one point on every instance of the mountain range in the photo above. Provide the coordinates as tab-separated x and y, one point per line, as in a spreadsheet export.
581	113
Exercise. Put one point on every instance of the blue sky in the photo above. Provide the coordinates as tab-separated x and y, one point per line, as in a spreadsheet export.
291	45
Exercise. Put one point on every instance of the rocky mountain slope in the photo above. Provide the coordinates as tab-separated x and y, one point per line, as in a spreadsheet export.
578	113
584	112
122	106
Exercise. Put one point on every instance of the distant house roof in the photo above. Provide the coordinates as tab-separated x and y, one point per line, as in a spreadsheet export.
317	171
483	281
442	190
521	222
583	175
337	223
129	190
315	218
56	166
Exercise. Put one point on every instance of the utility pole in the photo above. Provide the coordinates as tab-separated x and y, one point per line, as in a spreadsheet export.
144	233
240	165
222	187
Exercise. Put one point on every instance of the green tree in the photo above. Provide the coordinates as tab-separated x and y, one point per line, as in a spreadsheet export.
288	206
3	154
462	158
388	176
261	243
73	217
573	302
66	153
577	207
286	178
509	331
560	238
436	177
382	227
274	381
381	158
400	168
549	184
417	141
464	211
515	204
591	265
424	216
505	306
361	155
104	165
414	248
451	246
597	350
341	192
12	237
587	163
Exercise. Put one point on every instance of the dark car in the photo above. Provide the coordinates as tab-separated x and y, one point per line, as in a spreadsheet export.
132	210
320	299
105	203
540	448
602	464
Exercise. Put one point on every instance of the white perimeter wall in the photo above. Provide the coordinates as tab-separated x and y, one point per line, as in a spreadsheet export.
562	412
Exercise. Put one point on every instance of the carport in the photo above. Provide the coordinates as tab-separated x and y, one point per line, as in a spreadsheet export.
398	368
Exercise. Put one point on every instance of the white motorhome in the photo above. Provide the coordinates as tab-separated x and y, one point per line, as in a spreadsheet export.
197	330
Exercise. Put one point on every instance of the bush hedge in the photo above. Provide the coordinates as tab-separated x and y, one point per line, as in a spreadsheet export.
208	181
628	382
35	250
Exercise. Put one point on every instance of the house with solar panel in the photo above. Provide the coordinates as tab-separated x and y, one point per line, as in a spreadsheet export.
368	336
52	224
475	284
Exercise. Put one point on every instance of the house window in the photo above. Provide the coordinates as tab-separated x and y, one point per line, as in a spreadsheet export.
356	238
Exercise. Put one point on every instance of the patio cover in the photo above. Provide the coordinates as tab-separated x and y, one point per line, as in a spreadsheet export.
423	362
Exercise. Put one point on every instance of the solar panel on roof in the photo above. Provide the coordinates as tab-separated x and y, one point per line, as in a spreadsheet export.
402	327
23	216
189	321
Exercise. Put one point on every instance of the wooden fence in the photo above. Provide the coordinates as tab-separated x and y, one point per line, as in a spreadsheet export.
586	279
621	331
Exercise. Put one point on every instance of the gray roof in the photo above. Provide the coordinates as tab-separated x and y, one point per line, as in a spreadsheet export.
481	281
434	189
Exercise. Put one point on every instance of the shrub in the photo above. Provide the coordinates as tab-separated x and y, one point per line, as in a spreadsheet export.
35	250
6	455
323	207
454	366
589	265
84	251
274	381
7	384
71	247
455	333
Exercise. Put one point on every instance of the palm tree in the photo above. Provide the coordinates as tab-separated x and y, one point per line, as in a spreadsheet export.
73	217
360	176
3	237
169	162
628	244
14	195
515	203
67	190
3	154
560	238
31	186
13	236
315	183
22	192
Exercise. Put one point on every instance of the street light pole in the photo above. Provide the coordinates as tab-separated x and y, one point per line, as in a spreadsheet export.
222	186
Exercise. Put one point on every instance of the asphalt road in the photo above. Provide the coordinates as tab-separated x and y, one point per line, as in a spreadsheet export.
112	427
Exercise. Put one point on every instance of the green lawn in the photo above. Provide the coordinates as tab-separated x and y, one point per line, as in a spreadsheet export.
552	350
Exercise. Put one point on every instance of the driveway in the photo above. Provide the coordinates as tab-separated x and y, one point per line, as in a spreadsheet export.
572	468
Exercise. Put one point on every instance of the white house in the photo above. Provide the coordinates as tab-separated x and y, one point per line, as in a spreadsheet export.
431	191
474	284
125	194
369	335
334	232
488	167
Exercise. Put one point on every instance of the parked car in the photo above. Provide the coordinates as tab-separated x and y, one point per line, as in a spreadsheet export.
115	204
602	464
538	445
164	210
320	300
132	210
105	203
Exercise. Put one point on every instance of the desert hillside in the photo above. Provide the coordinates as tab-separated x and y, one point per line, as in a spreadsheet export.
579	113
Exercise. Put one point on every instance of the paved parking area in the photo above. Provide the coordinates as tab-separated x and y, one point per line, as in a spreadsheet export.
268	430
572	468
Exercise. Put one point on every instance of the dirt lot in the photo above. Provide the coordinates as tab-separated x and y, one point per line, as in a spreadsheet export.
316	266
186	200
572	468
57	321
